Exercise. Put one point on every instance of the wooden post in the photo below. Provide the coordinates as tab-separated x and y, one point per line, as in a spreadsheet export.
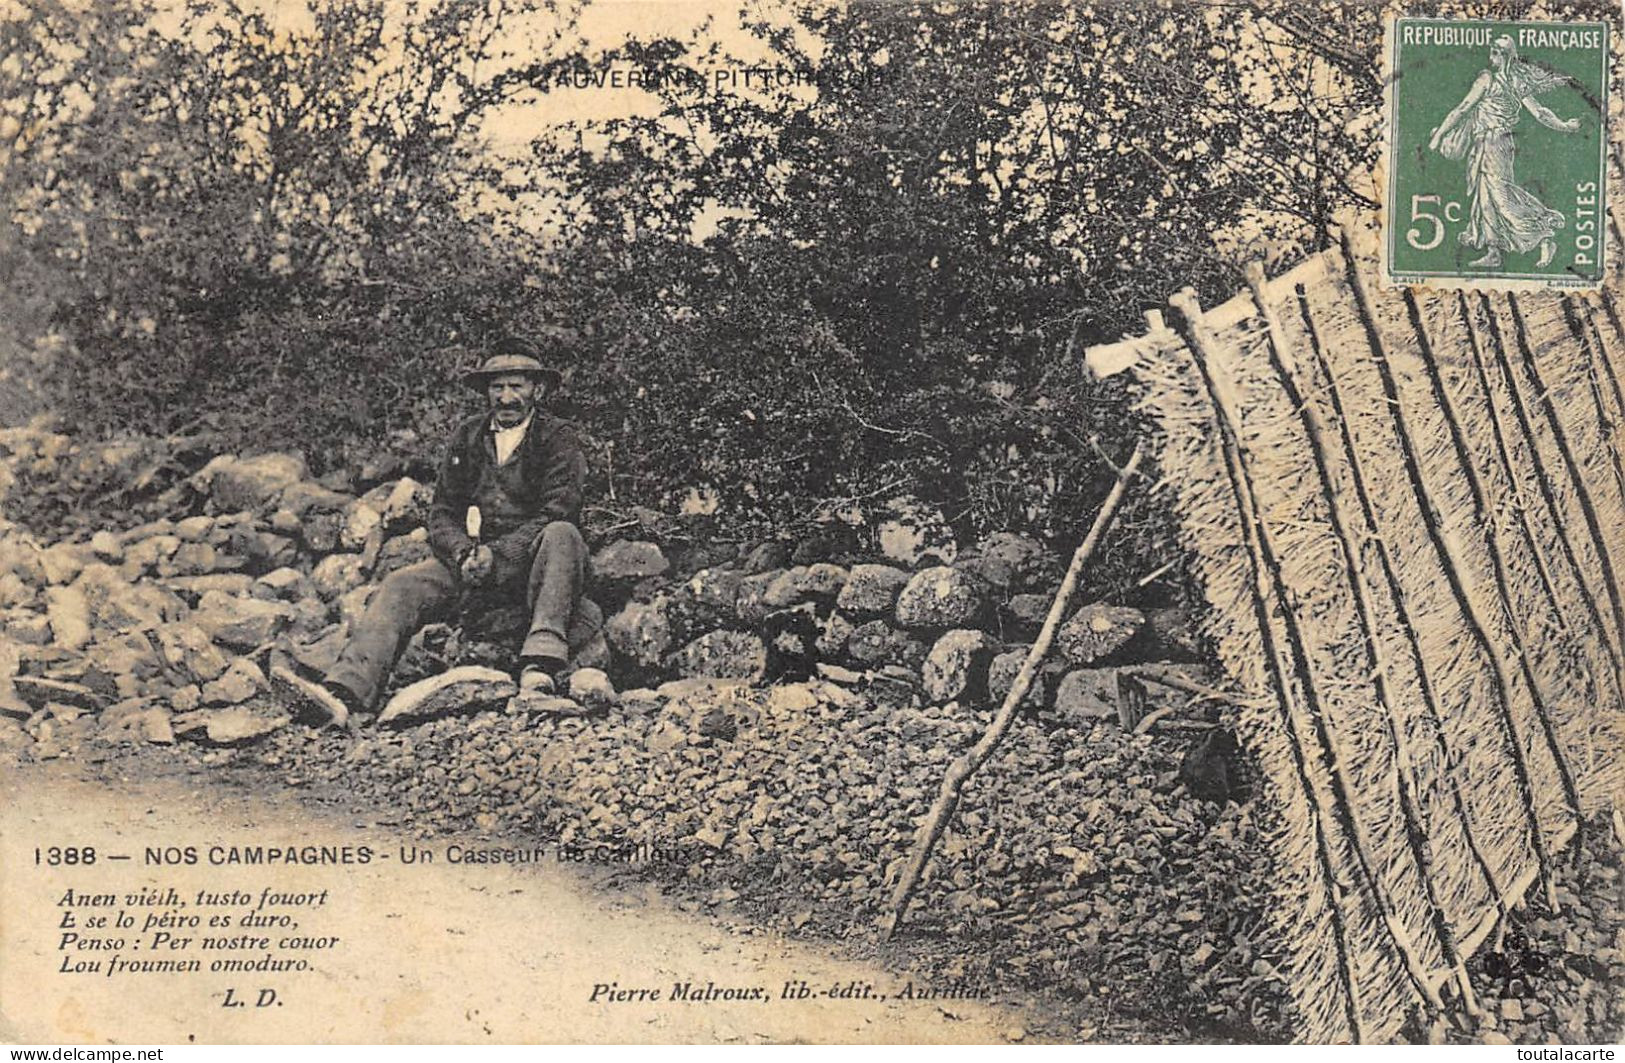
953	783
1485	517
1360	479
1294	654
1453	566
1348	537
1541	395
1262	565
1501	433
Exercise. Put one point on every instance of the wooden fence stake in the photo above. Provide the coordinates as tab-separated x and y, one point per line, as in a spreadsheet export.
1283	662
1319	436
960	771
1360	479
1453	565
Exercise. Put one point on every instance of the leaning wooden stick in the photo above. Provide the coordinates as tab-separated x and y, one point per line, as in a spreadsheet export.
962	769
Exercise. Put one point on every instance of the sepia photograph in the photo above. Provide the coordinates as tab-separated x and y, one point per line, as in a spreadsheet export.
786	522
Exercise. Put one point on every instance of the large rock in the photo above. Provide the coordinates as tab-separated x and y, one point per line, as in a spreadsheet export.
402	503
107	547
644	631
121	605
131	654
629	561
147	554
261	551
821	582
401	551
1087	694
14	590
32	629
875	643
1001	676
283	584
242	623
833	631
461	689
591	688
766	557
306	499
62	562
239	724
1010	561
200	559
154	724
724	655
956	668
321	653
21	555
362	523
136	721
69	612
186	648
38	691
715	589
193	588
241	681
871	590
750	603
196	529
320	532
1097	630
939	597
338	574
251	483
1025	613
161	526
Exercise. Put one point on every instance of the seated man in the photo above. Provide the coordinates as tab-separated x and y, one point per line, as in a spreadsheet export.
523	471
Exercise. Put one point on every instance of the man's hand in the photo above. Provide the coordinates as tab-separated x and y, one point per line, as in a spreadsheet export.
478	565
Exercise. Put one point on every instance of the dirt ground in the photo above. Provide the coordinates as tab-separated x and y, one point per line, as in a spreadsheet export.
439	952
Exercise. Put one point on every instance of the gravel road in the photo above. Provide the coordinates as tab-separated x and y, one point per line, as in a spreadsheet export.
426	952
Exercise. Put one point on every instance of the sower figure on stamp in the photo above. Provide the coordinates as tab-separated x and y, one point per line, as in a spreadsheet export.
1504	216
522	470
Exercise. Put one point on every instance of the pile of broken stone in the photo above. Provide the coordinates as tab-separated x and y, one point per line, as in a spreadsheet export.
169	629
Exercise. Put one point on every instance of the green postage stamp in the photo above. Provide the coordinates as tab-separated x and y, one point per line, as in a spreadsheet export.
1496	142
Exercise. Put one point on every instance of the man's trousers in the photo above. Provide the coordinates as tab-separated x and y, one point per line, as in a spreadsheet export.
425	592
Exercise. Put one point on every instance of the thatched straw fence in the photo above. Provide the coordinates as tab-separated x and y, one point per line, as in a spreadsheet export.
1407	512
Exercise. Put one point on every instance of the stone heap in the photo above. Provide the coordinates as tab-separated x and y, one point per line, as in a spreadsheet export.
169	628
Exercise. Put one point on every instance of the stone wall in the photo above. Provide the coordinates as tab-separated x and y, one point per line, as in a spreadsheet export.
168	628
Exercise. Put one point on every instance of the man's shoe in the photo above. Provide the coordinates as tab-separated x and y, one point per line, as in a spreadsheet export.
307	701
534	679
536	674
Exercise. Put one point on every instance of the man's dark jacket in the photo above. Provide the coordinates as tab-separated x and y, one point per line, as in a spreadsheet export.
547	470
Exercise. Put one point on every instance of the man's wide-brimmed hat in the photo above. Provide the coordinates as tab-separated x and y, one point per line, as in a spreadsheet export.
513	356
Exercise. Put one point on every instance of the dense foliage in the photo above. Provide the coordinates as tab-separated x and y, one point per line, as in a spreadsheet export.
296	226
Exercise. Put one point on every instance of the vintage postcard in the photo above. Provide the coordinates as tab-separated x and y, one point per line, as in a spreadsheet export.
778	522
1488	185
